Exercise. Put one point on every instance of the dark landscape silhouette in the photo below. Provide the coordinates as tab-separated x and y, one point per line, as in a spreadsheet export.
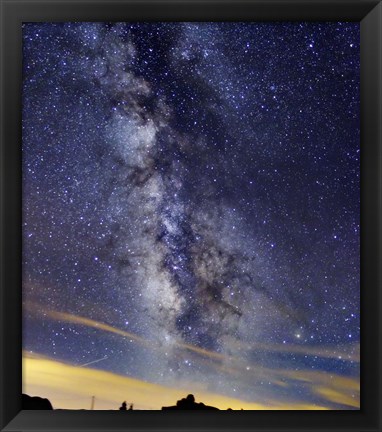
35	403
187	403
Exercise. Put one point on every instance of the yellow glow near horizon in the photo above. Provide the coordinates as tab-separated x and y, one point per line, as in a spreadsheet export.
71	387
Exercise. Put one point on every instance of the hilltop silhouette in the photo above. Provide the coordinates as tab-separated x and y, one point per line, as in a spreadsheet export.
35	403
189	403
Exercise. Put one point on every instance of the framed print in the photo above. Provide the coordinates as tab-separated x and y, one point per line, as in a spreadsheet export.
190	215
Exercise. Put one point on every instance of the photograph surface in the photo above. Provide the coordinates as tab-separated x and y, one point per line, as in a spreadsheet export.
191	212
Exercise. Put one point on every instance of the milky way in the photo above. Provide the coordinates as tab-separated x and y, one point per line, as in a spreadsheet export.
196	186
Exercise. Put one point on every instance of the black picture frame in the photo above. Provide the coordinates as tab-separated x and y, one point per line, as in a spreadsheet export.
13	13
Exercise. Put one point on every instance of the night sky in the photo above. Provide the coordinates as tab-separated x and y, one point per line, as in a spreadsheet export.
191	213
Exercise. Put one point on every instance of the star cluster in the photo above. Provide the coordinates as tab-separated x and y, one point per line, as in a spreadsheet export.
194	186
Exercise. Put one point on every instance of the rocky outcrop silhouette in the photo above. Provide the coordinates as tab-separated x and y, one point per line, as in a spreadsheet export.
35	403
189	403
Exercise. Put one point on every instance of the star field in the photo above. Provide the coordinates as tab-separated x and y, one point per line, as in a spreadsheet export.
195	187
